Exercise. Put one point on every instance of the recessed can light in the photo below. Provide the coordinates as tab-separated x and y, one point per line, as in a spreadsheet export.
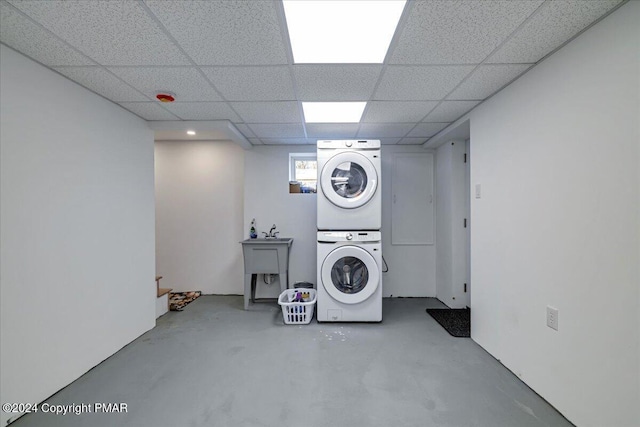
191	132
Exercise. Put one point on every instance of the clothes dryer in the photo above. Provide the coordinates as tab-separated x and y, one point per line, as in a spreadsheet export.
349	276
349	193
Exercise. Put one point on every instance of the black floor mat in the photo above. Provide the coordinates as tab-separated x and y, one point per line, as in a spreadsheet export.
456	321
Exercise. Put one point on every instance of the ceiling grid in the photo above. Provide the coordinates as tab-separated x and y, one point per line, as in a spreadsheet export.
231	60
284	31
204	76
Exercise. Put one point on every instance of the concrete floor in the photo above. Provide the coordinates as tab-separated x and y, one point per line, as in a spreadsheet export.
216	365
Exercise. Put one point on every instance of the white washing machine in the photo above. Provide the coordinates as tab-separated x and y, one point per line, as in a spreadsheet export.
349	194
349	276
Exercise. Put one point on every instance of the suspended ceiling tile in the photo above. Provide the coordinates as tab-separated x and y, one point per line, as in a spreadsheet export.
185	82
487	79
555	23
149	110
449	111
244	129
103	83
332	130
460	32
384	130
277	130
252	83
426	130
389	141
23	35
224	32
255	141
268	112
286	141
413	141
202	111
110	32
397	111
336	82
420	82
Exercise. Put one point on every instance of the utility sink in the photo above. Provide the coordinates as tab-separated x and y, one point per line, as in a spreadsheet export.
263	240
265	256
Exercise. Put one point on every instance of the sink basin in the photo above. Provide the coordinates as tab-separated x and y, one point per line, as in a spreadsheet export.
262	241
265	256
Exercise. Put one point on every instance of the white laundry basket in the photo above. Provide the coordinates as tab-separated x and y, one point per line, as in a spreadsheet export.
294	312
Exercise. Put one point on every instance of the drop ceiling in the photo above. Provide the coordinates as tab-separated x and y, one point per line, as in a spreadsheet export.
231	62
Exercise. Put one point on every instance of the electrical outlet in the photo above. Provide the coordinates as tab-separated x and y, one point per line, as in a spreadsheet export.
552	317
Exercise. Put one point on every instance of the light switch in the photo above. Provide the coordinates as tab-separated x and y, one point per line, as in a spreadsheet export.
478	191
552	317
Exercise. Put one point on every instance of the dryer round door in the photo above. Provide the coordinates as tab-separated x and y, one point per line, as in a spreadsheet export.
349	180
350	274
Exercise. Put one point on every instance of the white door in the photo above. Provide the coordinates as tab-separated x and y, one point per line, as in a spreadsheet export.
350	274
349	180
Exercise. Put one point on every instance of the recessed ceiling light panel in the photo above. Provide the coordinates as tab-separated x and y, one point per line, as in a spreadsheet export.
333	112
343	31
191	132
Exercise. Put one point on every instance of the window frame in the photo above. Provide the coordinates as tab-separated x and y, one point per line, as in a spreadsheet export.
293	157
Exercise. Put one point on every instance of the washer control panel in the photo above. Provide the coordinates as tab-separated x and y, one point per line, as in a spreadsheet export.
356	144
349	236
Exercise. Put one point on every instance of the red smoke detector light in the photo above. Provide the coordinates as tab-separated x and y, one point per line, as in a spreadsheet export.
165	97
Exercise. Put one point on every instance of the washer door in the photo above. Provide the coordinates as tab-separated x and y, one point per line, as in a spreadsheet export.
350	274
349	180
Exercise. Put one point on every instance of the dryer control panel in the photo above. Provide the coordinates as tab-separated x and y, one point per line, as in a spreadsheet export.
349	236
356	144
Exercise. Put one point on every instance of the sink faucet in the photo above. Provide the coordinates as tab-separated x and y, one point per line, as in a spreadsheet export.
272	233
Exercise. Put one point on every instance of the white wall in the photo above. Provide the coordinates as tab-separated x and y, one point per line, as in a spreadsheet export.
557	155
450	232
199	211
267	199
77	227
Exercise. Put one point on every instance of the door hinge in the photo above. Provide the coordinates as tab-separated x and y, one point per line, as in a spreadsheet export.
465	223
465	157
465	288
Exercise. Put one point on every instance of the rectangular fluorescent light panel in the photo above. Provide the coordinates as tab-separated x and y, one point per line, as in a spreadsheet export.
343	31
333	112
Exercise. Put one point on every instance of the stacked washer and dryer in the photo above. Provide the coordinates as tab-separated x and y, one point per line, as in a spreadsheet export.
349	238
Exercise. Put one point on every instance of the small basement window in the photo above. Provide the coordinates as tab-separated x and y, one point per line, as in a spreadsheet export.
303	172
